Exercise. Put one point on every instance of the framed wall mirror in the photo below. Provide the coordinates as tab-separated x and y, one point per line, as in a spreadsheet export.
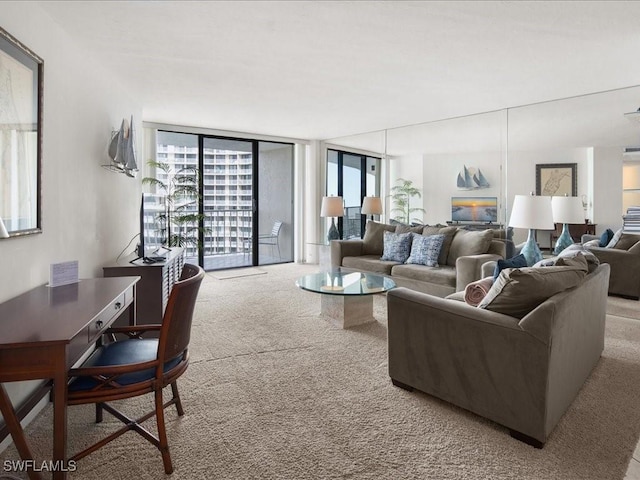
21	85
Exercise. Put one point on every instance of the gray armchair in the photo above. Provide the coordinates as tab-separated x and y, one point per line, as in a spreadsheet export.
624	259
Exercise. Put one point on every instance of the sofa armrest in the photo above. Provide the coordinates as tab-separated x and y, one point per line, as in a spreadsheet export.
344	248
625	270
587	237
469	268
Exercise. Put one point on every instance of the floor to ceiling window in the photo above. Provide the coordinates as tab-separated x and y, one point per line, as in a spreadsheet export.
244	213
352	176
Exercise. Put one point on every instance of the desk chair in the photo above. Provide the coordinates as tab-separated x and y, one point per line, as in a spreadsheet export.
272	238
136	366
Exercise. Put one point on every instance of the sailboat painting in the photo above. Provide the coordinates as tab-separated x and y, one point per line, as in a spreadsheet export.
471	179
122	150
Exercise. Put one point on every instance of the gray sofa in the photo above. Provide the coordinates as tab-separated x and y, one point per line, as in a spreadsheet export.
460	261
624	258
522	373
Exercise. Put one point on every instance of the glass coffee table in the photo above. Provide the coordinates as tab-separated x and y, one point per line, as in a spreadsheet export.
346	298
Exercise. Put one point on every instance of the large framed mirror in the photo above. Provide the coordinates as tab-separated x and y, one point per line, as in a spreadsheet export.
21	86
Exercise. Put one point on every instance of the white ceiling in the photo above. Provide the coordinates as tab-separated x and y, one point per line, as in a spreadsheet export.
317	70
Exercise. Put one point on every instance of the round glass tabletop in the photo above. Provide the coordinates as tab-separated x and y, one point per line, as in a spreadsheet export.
345	283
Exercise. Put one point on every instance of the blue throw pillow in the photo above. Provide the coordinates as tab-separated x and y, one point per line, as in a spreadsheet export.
516	262
396	247
606	237
425	250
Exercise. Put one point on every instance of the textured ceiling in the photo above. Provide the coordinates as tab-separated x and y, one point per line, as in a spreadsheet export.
318	70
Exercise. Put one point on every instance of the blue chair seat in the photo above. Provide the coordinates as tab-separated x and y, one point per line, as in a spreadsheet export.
123	353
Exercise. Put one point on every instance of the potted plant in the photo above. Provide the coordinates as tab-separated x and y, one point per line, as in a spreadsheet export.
180	223
401	196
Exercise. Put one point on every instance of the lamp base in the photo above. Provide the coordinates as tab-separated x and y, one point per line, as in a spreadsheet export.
564	240
333	231
531	251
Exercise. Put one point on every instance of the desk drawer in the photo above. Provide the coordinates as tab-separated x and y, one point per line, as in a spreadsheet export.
105	318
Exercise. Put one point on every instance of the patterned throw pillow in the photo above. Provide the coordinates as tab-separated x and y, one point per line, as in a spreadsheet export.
425	250
397	247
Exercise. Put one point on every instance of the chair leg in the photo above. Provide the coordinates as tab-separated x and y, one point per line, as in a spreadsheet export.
176	397
98	412
162	433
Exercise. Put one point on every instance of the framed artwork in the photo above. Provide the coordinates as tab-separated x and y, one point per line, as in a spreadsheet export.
557	179
21	86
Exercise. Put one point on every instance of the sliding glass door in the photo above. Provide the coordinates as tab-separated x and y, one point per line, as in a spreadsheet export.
244	213
353	177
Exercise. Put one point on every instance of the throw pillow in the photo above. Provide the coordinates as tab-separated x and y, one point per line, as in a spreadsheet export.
372	243
448	233
605	238
614	239
468	242
517	291
516	262
627	240
397	247
577	250
425	250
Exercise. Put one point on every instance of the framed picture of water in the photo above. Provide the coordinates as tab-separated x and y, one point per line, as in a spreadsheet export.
474	209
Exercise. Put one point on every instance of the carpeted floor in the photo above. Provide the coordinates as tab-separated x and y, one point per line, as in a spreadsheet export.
275	392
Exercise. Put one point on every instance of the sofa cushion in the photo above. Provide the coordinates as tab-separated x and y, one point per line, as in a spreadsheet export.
515	262
469	242
402	228
425	250
627	240
396	247
372	242
577	250
448	233
442	275
368	263
518	291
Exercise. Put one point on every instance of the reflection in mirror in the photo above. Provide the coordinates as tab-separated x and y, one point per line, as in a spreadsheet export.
590	133
20	136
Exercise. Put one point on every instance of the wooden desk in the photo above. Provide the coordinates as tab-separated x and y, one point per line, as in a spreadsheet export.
43	333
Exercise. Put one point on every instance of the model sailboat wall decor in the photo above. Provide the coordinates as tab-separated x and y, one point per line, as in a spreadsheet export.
122	150
471	179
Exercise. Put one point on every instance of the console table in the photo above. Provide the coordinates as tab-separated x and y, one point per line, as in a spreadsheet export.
156	281
43	333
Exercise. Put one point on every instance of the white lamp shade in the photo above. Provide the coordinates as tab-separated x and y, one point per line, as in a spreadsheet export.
3	230
332	207
532	212
371	206
567	210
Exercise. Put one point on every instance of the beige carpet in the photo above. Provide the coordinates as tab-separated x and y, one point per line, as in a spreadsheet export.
623	307
236	273
275	392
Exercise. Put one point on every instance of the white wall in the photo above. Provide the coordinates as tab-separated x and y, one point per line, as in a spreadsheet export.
88	213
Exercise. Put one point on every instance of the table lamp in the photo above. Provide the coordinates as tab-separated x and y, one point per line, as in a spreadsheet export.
532	213
371	206
332	207
3	230
566	210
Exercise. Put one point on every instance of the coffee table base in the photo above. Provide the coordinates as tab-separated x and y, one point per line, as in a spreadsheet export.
347	311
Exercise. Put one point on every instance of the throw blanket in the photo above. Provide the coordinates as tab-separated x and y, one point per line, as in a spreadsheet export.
476	291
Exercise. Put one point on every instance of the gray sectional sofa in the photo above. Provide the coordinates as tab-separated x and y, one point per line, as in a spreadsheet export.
459	263
520	371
